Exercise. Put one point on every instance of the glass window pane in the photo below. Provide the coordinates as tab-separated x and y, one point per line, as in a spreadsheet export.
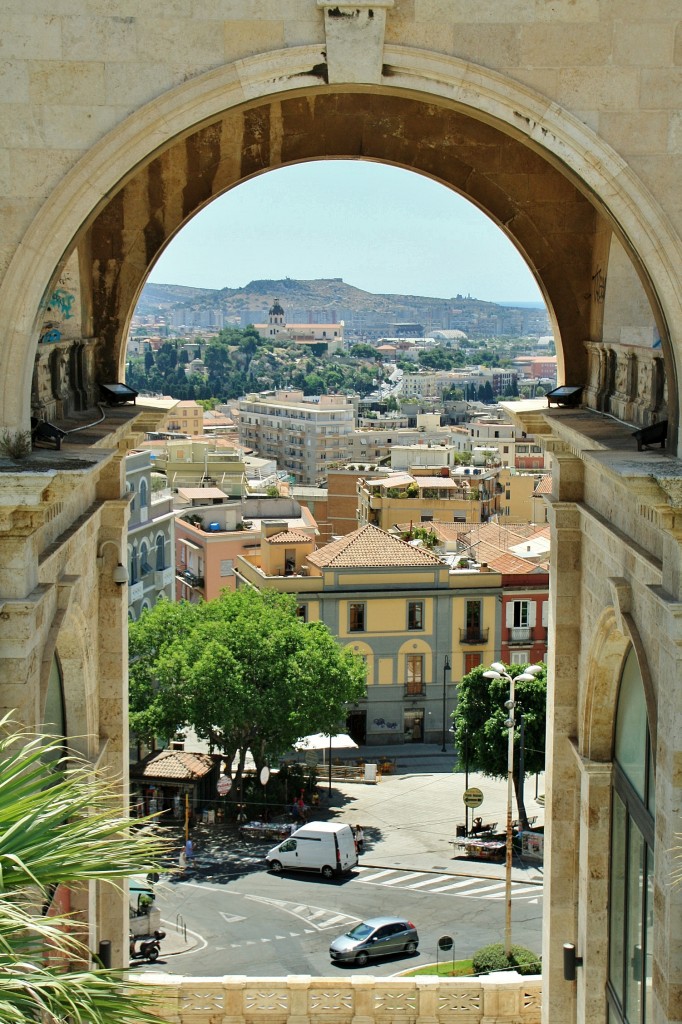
634	965
649	937
631	725
617	916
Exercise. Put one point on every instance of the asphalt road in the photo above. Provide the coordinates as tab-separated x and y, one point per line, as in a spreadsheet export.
262	924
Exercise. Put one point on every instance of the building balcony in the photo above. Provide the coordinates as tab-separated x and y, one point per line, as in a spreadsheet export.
415	689
520	635
163	577
474	635
190	579
135	592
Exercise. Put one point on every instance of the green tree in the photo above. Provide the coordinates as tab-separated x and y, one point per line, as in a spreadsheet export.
59	824
480	730
243	670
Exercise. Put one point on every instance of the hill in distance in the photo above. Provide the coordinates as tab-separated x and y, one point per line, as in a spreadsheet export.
323	298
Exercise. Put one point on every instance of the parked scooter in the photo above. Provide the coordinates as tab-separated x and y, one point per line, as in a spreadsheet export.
149	948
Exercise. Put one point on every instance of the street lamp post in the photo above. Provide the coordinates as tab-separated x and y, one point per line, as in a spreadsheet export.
446	668
498	671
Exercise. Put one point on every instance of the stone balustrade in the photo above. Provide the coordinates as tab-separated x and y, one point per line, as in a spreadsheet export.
627	381
353	999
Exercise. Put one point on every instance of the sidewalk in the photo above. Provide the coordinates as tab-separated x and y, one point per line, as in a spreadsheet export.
408	818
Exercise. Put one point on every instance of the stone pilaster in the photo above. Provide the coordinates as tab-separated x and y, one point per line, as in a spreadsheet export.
591	938
562	784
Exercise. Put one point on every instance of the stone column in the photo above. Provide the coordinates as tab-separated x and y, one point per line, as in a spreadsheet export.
562	784
592	936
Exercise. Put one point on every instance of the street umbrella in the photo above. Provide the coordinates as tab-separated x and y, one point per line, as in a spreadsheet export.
322	741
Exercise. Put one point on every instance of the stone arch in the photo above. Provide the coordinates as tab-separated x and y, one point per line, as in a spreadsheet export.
614	636
255	88
71	641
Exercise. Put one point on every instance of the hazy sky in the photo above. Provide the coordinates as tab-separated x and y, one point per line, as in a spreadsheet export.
378	227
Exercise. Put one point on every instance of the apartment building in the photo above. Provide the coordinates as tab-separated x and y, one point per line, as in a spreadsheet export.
301	434
399	607
150	547
187	417
212	532
466	494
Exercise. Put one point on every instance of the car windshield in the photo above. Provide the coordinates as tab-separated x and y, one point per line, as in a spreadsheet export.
361	931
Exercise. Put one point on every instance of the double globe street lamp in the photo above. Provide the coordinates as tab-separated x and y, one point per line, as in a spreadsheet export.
499	671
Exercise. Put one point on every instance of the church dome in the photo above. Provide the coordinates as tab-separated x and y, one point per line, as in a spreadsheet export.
276	309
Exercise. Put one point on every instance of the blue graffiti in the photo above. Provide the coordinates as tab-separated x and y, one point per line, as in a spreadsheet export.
63	301
51	336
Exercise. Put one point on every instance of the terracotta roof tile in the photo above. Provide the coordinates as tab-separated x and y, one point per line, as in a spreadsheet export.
289	537
173	764
372	547
544	485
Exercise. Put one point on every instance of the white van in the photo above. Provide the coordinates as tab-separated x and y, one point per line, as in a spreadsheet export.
322	846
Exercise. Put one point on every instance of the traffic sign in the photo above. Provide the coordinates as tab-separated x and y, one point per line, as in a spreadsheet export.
224	785
473	797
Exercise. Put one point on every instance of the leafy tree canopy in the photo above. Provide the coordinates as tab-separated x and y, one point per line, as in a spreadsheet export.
479	727
243	670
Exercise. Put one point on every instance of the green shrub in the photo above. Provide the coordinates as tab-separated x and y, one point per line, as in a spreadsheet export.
493	958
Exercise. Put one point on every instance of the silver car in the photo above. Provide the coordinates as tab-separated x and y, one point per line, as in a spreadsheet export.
379	936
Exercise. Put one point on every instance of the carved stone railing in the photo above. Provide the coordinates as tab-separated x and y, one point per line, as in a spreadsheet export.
627	381
355	999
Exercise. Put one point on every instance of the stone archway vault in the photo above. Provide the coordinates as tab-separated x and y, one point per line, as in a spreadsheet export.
480	109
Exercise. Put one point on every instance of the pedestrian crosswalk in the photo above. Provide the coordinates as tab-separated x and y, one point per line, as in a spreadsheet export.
430	882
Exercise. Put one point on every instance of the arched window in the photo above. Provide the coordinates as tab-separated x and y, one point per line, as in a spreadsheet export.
131	487
145	567
160	553
632	856
133	564
54	717
143	493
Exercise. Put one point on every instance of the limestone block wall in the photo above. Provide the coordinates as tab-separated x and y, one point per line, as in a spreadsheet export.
71	74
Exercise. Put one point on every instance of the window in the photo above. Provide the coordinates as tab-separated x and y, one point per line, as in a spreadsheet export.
473	618
520	620
415	615
415	673
302	612
629	989
160	553
143	493
145	567
519	658
133	564
357	618
471	661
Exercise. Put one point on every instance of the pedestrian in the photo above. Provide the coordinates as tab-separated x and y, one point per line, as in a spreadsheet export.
359	838
182	862
189	850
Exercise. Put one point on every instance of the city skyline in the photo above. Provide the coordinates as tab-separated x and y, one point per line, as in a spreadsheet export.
388	231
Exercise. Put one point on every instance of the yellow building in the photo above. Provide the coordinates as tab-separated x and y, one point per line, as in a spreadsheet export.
419	624
465	495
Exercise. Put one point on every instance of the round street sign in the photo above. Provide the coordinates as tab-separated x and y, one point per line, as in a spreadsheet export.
445	942
264	775
472	797
224	785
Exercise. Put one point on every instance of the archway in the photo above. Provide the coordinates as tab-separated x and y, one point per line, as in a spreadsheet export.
552	185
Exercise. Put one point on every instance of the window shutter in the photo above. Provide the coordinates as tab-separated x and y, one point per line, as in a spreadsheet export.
545	613
532	612
510	614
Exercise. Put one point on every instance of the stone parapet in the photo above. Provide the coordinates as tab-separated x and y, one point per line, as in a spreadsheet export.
504	998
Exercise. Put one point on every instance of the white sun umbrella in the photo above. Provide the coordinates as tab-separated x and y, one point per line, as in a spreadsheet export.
323	741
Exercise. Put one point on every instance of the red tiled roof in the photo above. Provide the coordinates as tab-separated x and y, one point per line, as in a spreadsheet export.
179	765
371	547
289	537
544	485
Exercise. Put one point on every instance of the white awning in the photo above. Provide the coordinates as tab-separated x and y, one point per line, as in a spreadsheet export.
189	544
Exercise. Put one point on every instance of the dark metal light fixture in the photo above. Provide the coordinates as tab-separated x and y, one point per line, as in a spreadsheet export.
571	961
117	393
567	395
